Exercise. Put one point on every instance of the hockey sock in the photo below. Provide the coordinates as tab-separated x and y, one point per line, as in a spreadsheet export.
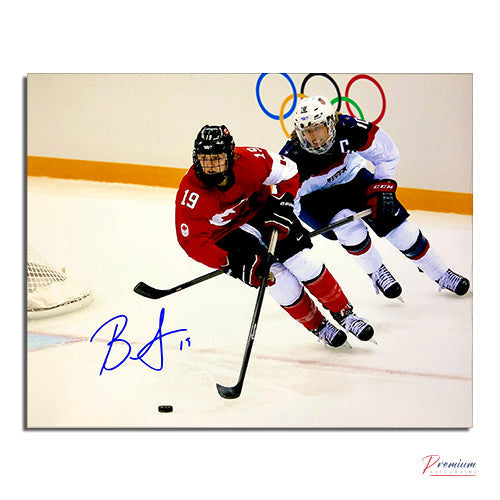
431	264
304	311
365	255
355	238
415	246
326	289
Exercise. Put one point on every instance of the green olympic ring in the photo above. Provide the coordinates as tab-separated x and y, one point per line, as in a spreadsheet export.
349	100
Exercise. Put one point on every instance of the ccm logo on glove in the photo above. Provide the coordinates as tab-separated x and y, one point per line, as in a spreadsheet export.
386	187
381	198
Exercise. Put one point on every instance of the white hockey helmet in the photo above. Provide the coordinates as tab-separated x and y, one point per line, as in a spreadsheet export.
314	123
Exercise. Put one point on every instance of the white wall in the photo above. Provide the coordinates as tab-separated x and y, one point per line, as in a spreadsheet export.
152	119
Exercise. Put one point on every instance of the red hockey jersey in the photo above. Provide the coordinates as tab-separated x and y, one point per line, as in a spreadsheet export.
204	215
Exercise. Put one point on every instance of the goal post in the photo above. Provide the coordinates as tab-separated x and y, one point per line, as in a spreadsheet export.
50	292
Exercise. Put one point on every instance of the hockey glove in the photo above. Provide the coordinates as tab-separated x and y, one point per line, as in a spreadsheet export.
246	265
278	213
381	198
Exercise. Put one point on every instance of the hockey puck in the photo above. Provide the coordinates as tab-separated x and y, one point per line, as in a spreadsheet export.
165	409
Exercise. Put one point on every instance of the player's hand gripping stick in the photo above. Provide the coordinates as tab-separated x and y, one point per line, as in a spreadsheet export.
279	213
234	391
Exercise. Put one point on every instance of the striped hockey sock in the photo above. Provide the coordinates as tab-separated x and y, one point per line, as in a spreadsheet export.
326	289
304	311
365	255
426	258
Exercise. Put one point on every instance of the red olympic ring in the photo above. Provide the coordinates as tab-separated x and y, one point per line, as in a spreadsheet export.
366	77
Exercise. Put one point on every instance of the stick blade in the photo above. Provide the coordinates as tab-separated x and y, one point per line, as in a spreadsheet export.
147	291
229	392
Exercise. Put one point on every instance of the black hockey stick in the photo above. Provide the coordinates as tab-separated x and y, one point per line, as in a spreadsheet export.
155	293
235	391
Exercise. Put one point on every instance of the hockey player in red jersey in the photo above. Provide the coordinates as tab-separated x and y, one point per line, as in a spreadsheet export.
331	152
225	213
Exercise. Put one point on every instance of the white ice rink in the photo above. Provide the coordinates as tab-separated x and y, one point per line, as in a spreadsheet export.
110	237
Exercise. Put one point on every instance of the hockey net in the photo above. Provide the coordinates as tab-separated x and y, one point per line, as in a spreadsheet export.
51	292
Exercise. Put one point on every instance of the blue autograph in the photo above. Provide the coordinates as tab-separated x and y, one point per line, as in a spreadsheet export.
120	323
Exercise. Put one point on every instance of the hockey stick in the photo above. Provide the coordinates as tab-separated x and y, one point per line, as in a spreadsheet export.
235	391
155	293
341	222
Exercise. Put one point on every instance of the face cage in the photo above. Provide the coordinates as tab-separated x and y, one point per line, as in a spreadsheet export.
212	180
320	149
220	164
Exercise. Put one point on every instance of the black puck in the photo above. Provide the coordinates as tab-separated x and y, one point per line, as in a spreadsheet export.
165	409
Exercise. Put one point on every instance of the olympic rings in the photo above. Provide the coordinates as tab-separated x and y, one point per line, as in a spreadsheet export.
257	91
371	79
295	95
329	78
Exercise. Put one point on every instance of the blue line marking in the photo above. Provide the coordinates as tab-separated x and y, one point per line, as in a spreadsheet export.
41	341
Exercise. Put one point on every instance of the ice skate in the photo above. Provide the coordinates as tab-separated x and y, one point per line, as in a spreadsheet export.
453	282
353	324
330	335
384	282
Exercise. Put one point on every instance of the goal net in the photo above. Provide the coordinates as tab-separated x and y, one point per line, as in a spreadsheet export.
51	292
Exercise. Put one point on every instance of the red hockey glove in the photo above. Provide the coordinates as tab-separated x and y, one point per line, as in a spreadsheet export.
246	265
381	198
278	213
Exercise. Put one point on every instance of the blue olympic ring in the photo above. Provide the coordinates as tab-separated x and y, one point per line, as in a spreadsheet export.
257	93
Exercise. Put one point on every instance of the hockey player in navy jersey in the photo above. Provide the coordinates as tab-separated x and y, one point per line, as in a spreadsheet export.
331	152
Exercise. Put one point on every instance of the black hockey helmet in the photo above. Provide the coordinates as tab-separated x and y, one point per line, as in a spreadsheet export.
212	140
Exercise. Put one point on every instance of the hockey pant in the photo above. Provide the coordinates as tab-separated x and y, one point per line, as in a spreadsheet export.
318	208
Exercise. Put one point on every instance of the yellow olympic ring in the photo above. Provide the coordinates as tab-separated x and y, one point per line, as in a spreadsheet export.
282	111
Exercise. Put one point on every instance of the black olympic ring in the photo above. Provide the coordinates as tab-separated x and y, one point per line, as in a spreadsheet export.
328	77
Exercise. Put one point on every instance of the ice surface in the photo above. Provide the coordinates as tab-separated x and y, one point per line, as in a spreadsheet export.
111	236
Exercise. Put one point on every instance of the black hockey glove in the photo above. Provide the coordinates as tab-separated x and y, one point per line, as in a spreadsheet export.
381	198
278	213
246	264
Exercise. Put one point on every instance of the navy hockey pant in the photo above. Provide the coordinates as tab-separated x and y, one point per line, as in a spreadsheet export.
319	207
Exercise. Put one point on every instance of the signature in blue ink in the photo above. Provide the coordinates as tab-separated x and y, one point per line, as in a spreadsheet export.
120	323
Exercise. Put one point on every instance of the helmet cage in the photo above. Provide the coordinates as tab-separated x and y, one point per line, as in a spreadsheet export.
311	114
213	140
